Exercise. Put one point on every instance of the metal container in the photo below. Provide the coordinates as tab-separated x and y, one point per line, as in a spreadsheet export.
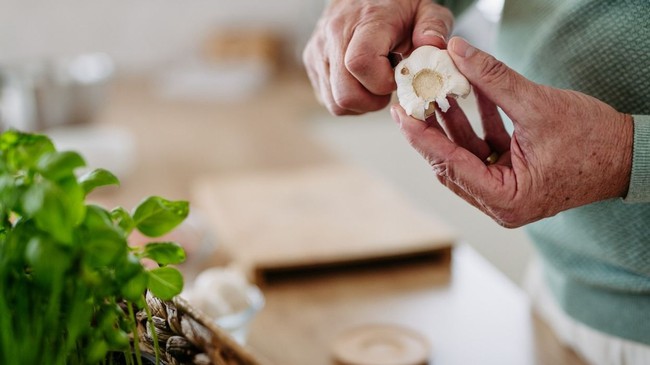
37	95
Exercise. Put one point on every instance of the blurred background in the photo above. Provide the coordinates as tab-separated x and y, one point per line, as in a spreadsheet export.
163	92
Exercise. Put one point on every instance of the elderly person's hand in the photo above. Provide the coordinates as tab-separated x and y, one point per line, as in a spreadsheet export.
347	56
567	149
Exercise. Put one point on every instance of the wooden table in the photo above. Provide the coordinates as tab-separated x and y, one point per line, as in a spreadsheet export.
469	311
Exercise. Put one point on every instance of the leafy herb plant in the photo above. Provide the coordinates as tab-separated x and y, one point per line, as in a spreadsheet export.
69	282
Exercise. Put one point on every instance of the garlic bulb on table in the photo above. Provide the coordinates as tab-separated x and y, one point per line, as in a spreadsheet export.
219	292
428	75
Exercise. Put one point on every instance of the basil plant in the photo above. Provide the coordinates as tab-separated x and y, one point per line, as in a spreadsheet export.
69	281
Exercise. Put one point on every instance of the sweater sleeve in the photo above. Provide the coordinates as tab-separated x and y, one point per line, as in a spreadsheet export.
639	190
456	6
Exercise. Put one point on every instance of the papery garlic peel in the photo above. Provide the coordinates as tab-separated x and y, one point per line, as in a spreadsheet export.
428	75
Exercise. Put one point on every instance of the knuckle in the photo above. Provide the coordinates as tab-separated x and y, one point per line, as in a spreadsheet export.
347	104
336	110
442	11
508	219
347	101
334	24
357	62
445	13
516	214
364	66
439	25
493	70
373	11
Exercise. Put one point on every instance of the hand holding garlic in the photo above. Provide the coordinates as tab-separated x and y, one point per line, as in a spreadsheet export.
567	149
346	57
428	75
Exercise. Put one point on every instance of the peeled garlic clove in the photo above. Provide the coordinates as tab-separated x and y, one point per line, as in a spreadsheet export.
428	75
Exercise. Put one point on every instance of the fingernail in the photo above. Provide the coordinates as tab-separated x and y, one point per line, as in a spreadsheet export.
393	113
434	33
460	47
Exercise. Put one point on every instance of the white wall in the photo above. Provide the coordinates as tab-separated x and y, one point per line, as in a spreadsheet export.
139	34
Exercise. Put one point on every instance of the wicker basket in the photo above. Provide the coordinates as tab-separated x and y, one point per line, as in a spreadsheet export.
186	336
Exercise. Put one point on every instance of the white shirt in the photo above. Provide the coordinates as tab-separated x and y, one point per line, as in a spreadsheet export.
593	346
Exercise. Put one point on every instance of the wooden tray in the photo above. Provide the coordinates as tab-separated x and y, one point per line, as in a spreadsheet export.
313	217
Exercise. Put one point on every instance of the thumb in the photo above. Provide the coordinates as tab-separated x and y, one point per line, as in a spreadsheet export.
432	25
500	84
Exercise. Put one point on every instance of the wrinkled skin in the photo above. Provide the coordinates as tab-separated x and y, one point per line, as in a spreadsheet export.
567	149
346	57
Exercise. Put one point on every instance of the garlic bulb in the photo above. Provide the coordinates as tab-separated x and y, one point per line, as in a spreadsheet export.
428	75
219	292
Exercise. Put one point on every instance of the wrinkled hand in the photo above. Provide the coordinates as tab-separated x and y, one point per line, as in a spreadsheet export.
346	57
567	149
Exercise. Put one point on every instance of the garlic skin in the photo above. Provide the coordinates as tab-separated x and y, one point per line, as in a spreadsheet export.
428	75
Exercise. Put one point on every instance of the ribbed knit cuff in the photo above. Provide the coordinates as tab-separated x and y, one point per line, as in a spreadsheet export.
639	191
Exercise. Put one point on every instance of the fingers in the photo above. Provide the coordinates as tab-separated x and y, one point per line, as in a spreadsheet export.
496	81
460	167
432	26
366	57
495	132
317	67
318	70
347	57
348	67
349	94
433	144
337	90
460	131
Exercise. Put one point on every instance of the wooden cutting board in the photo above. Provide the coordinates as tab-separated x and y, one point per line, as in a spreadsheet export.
315	216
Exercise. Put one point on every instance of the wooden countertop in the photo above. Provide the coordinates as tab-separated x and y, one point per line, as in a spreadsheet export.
470	313
468	310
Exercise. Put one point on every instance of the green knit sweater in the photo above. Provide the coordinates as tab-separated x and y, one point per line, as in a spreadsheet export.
596	257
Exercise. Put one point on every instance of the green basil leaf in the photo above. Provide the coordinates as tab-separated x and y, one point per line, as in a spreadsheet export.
48	260
164	253
156	216
33	200
134	288
73	197
103	242
80	314
106	317
56	208
117	338
128	268
90	276
46	204
9	192
123	220
96	351
104	247
97	218
165	282
97	178
22	151
57	165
